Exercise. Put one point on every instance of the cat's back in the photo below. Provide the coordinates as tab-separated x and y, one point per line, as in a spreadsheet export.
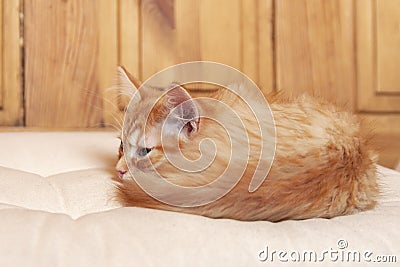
307	121
314	135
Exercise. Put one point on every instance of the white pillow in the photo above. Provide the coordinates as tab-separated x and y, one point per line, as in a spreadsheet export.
105	236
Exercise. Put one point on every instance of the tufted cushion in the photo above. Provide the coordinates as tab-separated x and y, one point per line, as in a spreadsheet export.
57	209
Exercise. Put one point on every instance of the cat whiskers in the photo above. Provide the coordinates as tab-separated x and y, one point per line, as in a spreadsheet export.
113	114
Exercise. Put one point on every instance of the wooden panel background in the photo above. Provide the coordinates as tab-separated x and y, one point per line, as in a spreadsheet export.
344	50
315	49
128	39
387	30
378	55
68	67
1	57
11	113
239	36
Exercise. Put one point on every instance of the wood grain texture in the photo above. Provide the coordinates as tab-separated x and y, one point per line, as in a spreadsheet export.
1	56
386	141
249	39
388	149
11	113
129	36
387	31
257	47
220	32
236	33
315	48
382	123
129	41
202	30
107	59
187	31
265	28
158	40
378	57
64	71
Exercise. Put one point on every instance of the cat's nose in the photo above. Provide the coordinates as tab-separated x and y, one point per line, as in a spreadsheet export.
121	173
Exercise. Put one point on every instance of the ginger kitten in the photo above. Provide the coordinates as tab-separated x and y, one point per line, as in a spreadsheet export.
323	166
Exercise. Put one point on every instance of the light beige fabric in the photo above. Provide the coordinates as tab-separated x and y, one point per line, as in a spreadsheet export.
69	218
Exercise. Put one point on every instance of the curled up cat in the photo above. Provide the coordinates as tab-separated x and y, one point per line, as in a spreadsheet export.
323	164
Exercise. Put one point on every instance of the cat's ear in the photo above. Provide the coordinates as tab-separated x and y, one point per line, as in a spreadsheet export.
184	115
127	83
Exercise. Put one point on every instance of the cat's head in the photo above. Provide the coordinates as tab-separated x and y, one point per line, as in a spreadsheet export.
151	111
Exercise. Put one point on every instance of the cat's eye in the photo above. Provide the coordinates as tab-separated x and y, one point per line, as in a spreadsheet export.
143	151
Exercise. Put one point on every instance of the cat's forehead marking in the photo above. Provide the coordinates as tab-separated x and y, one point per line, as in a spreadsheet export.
141	142
134	137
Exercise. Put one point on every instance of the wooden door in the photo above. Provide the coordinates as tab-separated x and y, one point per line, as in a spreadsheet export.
70	61
233	32
314	49
378	79
378	55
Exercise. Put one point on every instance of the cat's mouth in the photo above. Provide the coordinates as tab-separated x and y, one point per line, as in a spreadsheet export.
134	172
150	169
137	166
144	166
